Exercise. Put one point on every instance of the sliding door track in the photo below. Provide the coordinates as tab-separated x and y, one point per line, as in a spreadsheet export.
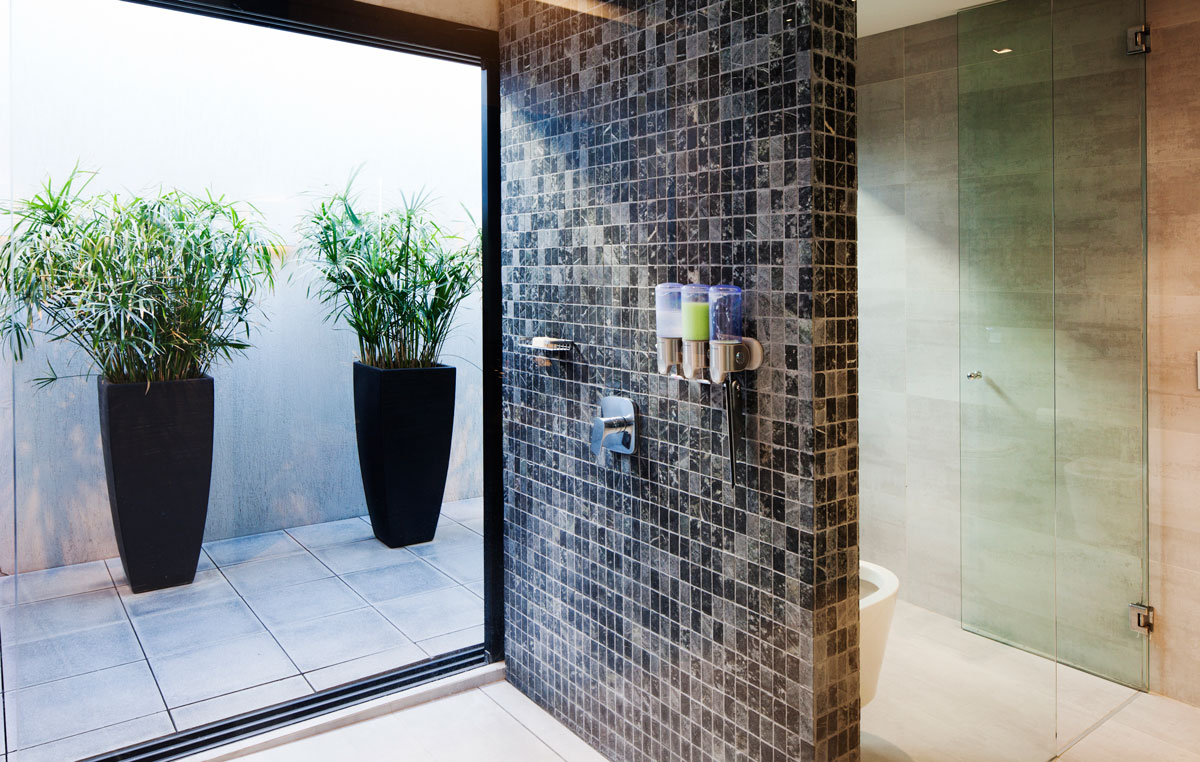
213	735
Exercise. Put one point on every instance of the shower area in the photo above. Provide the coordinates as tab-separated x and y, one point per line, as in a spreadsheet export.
1003	374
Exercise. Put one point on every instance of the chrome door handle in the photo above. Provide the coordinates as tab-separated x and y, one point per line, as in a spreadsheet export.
975	375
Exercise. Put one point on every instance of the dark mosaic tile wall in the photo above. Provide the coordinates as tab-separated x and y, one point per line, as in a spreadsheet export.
835	383
658	610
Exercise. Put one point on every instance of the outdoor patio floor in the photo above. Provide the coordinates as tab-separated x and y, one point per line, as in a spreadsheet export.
88	666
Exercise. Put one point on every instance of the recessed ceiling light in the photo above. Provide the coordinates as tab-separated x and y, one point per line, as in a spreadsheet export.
1001	51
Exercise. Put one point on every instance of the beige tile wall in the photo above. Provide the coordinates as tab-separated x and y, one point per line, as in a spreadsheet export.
908	335
1173	146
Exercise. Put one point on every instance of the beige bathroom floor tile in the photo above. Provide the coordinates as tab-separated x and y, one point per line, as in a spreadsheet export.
1150	727
497	725
947	695
1084	700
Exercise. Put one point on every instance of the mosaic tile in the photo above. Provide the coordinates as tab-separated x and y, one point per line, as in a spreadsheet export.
659	610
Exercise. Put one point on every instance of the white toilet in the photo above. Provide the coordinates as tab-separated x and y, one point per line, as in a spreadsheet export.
877	589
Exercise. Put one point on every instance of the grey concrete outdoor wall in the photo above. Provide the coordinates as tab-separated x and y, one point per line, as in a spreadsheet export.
284	449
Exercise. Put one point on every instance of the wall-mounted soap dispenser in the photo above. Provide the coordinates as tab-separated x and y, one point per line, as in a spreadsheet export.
694	304
709	322
668	324
729	351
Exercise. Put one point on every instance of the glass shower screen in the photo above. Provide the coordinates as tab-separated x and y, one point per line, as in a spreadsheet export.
1052	303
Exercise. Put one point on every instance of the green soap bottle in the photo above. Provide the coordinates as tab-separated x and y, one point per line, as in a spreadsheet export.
695	313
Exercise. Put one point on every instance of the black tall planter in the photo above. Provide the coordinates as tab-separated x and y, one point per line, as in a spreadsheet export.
404	419
158	444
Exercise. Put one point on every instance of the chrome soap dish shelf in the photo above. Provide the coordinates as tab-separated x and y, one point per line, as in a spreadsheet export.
548	345
546	348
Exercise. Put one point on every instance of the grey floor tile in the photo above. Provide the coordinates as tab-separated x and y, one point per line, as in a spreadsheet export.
208	649
464	510
329	640
308	600
74	653
220	668
463	563
54	583
331	533
428	615
210	586
187	629
365	666
239	702
255	547
476	587
280	571
58	616
390	582
449	536
475	525
117	570
365	554
51	711
99	741
452	641
451	541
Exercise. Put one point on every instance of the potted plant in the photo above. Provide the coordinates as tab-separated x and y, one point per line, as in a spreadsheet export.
397	279
152	291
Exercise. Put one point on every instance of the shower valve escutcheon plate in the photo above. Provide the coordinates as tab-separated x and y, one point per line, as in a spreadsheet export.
616	427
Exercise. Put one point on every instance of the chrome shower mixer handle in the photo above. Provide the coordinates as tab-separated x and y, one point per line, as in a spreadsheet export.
616	427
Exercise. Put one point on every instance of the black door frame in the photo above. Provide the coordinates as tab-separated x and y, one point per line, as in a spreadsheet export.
365	24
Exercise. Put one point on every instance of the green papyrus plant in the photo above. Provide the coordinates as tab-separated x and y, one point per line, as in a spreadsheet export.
152	288
396	277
